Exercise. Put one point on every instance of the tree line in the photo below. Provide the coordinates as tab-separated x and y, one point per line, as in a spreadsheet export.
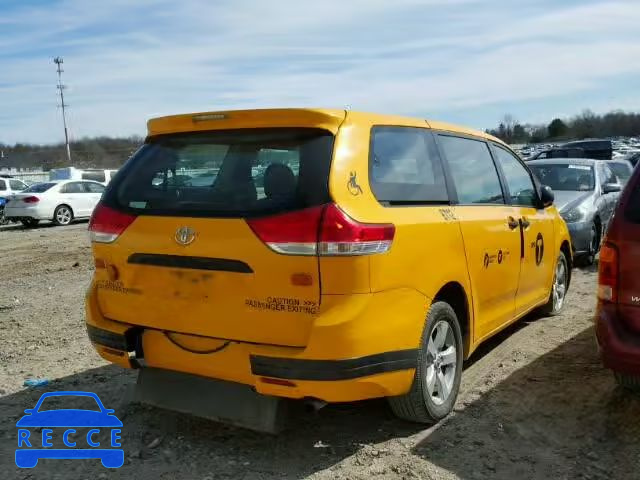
98	152
585	125
108	152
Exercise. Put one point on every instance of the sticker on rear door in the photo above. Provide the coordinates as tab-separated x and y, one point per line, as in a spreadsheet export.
117	286
283	304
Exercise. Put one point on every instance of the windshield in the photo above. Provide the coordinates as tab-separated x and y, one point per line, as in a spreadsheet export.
68	402
39	188
239	173
571	177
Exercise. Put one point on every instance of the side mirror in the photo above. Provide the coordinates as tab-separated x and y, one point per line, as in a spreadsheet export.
611	188
547	196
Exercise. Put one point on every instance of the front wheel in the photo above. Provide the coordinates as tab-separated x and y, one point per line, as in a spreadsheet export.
62	215
438	370
594	245
559	287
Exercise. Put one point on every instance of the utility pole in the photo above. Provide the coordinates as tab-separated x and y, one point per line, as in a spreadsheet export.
61	86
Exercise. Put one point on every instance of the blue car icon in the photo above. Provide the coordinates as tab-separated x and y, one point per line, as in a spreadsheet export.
41	446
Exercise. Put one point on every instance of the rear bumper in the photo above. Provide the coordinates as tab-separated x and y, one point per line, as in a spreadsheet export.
619	347
346	360
38	213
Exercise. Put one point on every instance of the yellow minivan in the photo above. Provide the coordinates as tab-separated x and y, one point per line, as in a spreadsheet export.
317	254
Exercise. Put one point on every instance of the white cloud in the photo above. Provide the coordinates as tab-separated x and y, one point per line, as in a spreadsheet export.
125	63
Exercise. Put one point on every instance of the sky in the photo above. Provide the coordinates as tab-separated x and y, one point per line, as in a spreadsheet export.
461	61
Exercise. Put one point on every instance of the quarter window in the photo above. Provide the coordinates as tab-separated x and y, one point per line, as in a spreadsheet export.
404	166
521	188
93	187
17	185
473	171
3	185
74	187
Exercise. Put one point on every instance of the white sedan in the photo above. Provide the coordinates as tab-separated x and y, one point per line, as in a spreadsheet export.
59	201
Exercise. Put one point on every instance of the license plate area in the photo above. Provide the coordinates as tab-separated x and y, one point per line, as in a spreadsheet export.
190	285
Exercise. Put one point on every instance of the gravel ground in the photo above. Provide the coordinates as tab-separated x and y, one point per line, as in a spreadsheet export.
535	402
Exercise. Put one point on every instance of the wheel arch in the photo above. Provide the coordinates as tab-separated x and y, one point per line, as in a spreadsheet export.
63	205
455	295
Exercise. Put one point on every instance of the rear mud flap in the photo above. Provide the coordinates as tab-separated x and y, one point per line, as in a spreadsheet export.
225	402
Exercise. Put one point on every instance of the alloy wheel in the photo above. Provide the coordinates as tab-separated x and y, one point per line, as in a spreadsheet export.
441	363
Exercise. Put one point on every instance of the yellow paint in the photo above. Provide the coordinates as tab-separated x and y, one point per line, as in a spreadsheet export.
361	305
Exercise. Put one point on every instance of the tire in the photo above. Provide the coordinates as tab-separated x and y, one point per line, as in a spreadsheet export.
589	258
30	222
630	382
424	404
558	292
3	220
63	215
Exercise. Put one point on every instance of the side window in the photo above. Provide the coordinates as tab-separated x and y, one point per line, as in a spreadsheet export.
73	187
607	174
404	166
473	171
3	185
93	187
17	185
521	188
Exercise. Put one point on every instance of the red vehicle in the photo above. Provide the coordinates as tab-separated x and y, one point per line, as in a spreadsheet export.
618	314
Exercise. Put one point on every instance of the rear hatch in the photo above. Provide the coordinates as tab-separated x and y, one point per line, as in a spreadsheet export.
627	231
214	233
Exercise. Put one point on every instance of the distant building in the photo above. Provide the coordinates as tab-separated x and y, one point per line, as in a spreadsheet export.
10	170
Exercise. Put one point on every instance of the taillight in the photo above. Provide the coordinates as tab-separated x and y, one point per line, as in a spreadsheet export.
294	233
608	273
107	224
31	199
324	230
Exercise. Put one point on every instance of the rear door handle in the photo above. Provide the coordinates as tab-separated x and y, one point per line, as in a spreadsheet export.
525	223
513	223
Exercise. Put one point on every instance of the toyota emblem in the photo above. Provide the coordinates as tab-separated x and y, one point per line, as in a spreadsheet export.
185	235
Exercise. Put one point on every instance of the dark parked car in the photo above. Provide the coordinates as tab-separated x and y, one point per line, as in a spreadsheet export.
558	153
593	148
596	149
586	192
618	314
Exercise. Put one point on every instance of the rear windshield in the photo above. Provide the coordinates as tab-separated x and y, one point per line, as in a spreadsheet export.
39	188
567	177
239	173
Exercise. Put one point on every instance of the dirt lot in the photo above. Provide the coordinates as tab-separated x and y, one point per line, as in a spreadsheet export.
535	402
